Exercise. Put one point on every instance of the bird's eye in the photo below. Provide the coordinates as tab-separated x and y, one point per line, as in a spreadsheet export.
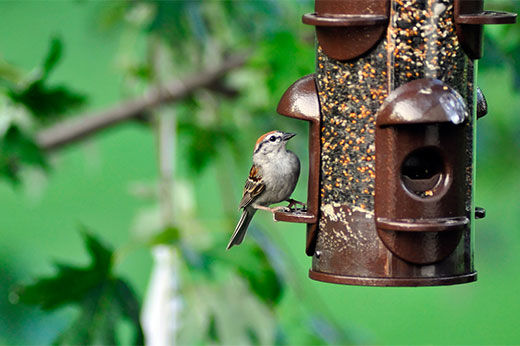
272	138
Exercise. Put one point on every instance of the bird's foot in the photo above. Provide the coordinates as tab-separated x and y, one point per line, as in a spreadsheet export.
272	210
280	208
293	202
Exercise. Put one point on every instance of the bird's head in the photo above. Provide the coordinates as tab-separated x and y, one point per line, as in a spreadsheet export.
271	143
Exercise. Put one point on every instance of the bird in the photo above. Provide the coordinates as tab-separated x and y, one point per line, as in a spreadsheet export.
272	179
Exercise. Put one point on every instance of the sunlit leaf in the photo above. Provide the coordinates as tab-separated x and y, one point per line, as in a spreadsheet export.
142	72
9	72
168	236
112	14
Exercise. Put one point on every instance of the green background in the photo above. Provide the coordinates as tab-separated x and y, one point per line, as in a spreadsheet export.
89	184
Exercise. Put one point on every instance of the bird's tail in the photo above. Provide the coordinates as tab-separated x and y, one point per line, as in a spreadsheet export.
241	228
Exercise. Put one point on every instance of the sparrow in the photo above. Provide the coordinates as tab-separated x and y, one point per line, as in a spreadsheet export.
272	179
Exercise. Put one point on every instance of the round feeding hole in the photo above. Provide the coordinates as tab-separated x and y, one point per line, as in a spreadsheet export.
422	171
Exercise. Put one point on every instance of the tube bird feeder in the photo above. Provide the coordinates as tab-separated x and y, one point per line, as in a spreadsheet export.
392	109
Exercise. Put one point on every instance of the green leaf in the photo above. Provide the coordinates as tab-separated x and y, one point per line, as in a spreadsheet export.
200	262
44	101
168	236
96	321
287	59
251	263
213	330
21	146
175	19
17	149
262	279
102	298
141	71
101	255
52	293
202	142
53	56
130	308
111	14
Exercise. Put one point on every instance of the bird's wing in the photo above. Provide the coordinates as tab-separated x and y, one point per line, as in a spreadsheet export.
253	188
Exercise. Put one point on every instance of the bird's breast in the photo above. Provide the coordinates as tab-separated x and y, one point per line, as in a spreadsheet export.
280	178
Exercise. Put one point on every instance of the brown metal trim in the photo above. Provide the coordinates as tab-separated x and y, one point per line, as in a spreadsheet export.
487	17
399	282
424	225
300	101
295	216
344	20
469	18
313	201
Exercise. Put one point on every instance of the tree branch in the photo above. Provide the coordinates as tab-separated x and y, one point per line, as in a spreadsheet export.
84	125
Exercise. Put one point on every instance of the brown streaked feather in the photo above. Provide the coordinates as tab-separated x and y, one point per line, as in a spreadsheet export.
253	187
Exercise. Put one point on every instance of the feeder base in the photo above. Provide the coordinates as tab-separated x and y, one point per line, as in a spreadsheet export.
392	282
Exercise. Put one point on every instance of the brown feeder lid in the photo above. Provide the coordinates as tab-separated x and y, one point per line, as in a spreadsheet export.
422	101
348	29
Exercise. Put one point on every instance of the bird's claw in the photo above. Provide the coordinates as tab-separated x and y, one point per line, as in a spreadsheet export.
293	202
282	209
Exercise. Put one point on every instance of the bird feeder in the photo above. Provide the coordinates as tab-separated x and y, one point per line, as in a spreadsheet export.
392	110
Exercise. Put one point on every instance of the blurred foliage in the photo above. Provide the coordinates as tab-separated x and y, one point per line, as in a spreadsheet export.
44	101
218	286
103	298
241	289
203	142
221	307
502	43
26	102
251	264
500	144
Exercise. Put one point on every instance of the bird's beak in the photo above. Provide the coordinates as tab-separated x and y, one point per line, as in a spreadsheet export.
286	136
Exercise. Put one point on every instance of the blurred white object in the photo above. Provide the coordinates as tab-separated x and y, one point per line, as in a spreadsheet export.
162	304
